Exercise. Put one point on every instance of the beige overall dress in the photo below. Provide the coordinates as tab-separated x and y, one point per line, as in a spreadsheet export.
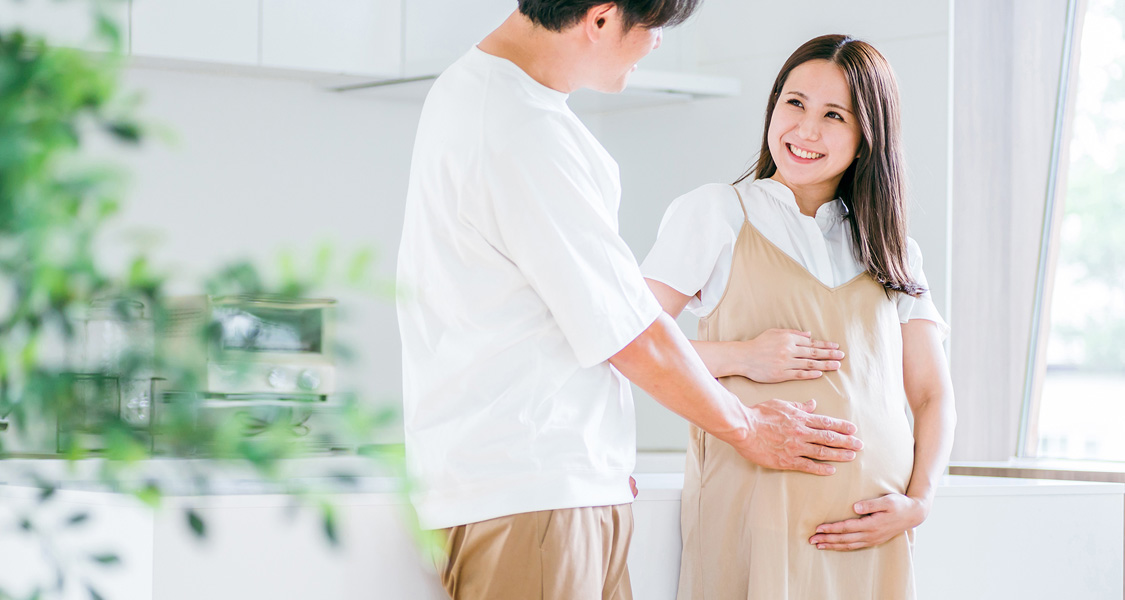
745	527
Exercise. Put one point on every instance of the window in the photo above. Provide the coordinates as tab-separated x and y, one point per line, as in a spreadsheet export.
1081	405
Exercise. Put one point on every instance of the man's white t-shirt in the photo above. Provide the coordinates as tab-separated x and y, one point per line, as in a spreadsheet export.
514	290
695	245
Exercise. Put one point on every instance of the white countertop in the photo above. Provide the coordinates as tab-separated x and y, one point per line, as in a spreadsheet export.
659	477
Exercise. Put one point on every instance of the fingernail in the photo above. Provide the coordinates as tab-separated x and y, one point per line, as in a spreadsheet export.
820	546
850	455
859	508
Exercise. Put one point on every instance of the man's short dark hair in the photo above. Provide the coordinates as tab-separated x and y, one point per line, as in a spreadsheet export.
558	15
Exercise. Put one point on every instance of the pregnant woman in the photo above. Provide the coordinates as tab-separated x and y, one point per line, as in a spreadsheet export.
813	239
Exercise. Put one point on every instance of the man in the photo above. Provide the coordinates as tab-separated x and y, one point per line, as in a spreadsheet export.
524	313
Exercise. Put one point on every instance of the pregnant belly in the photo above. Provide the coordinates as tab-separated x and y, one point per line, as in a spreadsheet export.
883	466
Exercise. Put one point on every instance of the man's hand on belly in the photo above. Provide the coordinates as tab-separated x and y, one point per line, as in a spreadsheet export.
883	518
790	436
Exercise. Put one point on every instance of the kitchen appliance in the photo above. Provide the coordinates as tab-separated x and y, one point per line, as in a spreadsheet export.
247	347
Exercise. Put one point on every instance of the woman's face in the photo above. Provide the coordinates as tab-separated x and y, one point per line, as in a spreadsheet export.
814	135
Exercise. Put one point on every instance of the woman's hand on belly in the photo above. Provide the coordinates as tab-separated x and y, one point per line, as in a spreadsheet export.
778	355
883	518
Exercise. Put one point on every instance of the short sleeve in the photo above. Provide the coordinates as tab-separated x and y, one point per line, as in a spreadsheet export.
554	223
694	243
922	307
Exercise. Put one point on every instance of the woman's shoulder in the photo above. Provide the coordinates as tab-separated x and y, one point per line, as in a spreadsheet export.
711	204
913	254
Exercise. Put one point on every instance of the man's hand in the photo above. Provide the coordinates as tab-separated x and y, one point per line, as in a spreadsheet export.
883	518
778	355
789	436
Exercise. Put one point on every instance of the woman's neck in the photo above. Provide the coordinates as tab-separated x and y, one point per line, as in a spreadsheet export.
809	197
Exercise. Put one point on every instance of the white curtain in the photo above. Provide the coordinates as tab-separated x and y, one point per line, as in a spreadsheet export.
1006	67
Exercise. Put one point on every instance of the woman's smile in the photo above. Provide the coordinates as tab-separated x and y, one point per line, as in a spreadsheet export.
802	154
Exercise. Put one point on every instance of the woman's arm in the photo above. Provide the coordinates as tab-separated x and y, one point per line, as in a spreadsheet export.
929	391
774	356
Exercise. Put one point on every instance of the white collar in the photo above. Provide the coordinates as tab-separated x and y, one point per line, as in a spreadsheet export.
828	215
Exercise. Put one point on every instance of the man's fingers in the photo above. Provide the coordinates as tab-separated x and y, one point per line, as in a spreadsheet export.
830	424
829	439
812	467
819	452
807	406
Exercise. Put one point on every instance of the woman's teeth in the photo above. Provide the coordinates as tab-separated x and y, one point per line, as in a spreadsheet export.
802	153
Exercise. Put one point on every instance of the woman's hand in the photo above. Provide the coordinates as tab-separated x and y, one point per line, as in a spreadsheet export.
778	355
883	518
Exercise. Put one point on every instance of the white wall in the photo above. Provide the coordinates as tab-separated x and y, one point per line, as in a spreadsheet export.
257	166
260	165
667	151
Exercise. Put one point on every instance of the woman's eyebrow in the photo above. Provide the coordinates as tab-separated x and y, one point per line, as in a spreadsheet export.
803	96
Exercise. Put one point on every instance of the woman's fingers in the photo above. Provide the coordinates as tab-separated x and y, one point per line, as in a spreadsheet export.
805	339
844	547
818	353
806	364
839	538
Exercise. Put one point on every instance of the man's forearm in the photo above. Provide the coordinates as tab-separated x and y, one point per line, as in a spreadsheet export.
662	362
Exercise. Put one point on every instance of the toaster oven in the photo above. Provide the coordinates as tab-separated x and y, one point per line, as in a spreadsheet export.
252	346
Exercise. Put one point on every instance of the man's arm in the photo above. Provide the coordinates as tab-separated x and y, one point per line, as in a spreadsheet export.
774	434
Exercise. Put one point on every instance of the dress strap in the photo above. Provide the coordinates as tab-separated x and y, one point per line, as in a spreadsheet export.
740	202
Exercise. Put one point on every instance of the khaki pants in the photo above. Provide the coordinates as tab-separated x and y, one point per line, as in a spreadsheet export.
565	554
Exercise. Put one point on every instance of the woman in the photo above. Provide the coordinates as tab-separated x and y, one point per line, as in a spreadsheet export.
812	239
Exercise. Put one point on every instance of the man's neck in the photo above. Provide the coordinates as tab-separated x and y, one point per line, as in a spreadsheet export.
549	57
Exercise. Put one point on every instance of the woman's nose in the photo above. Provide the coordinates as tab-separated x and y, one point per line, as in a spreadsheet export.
809	127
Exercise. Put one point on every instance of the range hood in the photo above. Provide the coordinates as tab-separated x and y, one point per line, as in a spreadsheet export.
646	88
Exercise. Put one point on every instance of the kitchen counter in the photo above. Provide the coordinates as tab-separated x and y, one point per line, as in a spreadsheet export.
986	538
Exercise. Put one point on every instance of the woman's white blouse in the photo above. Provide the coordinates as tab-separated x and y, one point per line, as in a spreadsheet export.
695	244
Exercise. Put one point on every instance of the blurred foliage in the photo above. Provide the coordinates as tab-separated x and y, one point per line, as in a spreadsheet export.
52	206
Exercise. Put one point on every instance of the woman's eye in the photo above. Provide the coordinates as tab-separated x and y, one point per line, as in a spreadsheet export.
795	102
834	115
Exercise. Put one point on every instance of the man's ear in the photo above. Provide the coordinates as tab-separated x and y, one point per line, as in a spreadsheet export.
600	19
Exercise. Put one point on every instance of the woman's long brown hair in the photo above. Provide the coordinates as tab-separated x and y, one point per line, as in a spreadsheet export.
873	187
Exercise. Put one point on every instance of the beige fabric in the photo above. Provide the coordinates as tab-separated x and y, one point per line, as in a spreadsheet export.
564	554
746	528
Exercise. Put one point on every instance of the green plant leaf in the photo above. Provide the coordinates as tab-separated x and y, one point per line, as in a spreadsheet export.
198	527
150	495
328	520
106	559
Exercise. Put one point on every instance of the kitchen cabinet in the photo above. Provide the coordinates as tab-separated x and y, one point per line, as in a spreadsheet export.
437	32
218	31
976	544
360	37
66	24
